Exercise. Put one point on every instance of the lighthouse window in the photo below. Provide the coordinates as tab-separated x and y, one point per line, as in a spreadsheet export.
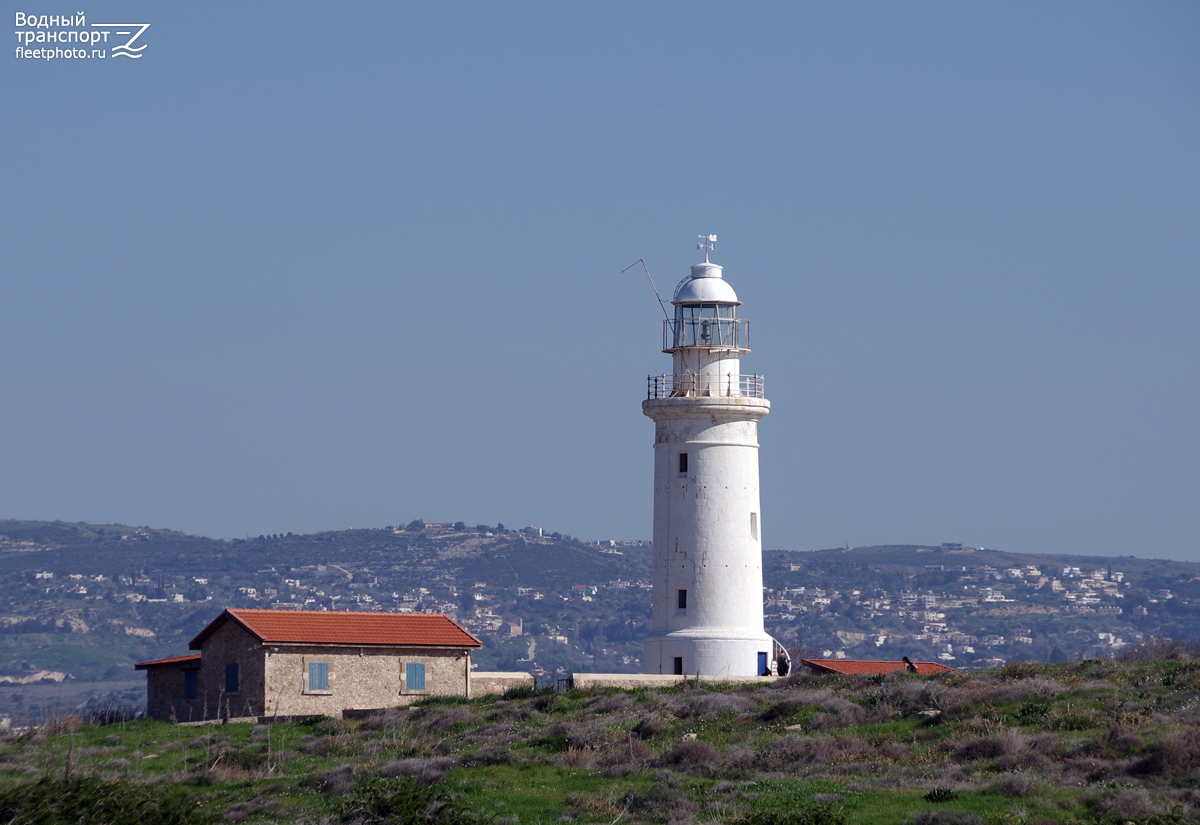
683	465
681	599
754	526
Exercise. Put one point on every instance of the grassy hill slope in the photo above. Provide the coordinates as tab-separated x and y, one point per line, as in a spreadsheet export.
1102	741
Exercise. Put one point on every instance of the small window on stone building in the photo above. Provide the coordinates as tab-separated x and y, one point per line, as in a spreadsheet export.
681	599
318	675
231	678
683	464
678	665
191	684
414	676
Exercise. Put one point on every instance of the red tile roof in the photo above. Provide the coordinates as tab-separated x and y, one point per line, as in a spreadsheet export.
854	666
345	628
177	661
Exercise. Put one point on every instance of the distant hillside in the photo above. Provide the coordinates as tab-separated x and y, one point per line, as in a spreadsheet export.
83	602
974	607
443	554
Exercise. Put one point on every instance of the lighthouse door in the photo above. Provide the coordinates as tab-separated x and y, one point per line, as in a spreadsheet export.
763	669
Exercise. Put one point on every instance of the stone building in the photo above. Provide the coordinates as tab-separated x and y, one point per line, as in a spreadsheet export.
280	663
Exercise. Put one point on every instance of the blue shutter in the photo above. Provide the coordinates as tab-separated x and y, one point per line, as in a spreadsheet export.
414	676
318	675
191	684
231	678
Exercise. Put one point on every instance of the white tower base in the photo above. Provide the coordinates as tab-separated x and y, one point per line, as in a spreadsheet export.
711	652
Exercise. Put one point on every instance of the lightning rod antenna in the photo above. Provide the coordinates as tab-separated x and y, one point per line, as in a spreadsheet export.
652	286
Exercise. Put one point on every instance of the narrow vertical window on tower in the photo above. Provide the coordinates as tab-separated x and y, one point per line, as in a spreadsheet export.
683	464
754	526
681	599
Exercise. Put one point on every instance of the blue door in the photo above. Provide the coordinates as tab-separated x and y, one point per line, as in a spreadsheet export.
763	669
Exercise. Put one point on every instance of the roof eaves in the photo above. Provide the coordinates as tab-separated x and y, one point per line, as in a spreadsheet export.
185	662
477	643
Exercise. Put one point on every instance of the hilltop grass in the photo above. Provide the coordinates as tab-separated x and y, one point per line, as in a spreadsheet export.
1095	743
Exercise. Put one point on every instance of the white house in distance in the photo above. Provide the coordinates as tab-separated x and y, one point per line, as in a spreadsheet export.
708	582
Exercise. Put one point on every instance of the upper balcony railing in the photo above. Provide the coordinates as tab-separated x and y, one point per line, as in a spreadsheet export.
731	333
704	386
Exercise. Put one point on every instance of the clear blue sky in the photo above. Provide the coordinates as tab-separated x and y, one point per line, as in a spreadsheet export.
309	266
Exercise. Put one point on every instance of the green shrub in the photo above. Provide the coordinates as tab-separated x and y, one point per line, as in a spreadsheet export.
649	727
519	692
1019	670
376	799
941	795
243	758
1032	712
554	742
1074	718
1177	753
804	815
785	712
932	816
665	799
57	802
312	721
426	701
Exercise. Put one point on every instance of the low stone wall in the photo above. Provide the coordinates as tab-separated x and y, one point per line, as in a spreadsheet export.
631	681
484	682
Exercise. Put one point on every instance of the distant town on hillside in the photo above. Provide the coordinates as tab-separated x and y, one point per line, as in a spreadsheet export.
80	603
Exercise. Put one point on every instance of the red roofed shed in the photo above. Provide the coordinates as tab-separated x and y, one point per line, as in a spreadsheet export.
851	667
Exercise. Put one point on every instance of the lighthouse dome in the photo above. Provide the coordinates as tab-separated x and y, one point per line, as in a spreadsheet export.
706	285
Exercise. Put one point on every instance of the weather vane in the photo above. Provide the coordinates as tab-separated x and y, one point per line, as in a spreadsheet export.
707	243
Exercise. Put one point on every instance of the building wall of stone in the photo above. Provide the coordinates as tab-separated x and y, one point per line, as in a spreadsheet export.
358	677
231	644
164	697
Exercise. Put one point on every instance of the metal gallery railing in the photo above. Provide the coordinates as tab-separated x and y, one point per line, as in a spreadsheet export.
728	385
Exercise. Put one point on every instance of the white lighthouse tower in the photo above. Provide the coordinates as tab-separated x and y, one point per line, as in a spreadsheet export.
708	585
